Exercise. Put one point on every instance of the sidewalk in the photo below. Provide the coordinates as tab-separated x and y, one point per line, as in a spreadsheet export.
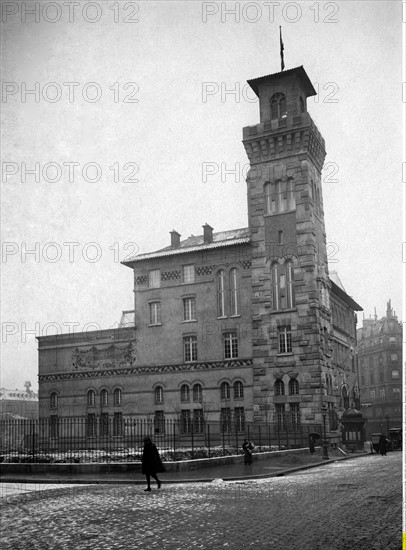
270	467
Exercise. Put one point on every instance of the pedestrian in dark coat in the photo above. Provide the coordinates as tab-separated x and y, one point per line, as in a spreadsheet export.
247	447
151	463
382	445
312	444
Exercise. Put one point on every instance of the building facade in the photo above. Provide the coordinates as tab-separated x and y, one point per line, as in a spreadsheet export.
19	404
232	326
380	366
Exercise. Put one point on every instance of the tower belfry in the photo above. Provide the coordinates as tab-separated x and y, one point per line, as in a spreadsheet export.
290	284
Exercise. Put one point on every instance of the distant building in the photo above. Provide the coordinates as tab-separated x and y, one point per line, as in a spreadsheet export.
380	367
232	326
18	404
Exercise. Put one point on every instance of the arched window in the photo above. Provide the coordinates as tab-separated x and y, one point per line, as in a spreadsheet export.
291	194
275	286
238	390
282	280
280	196
301	104
197	393
293	387
278	106
221	293
104	398
159	394
233	291
279	387
289	285
117	397
53	400
225	390
271	197
91	398
184	393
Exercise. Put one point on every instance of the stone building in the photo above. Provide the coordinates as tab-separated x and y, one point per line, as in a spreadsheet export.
234	325
18	404
380	365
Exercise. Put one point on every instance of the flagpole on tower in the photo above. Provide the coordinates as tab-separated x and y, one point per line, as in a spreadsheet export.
282	48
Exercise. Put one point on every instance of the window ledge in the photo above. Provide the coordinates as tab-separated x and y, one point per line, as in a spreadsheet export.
280	214
189	321
223	317
234	316
287	310
155	325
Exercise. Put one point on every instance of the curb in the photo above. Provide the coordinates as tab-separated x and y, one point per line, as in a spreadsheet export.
82	481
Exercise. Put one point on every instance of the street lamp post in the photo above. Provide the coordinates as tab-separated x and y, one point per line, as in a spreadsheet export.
325	442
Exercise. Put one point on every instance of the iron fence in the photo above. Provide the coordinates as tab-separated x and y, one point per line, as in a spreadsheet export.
105	439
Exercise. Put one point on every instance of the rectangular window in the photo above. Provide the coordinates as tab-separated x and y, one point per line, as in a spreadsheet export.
372	394
188	272
230	345
190	348
393	356
91	425
104	424
189	309
154	278
118	424
280	415
198	421
295	415
185	421
159	422
285	339
395	374
225	420
396	393
239	415
382	393
155	313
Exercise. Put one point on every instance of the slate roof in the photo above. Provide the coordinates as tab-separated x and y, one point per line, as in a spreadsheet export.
196	243
256	82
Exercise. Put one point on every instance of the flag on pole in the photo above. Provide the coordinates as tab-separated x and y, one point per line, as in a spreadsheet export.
282	48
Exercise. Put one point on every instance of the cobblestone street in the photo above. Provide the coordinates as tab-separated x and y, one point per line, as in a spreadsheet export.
354	504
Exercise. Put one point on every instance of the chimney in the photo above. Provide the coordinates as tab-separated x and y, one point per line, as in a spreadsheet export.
175	239
207	233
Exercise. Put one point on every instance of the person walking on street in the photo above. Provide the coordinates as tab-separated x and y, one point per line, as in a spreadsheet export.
382	445
247	447
151	463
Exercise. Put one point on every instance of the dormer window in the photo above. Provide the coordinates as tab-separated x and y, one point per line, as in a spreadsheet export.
278	106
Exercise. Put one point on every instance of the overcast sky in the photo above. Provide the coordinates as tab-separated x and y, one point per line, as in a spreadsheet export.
147	102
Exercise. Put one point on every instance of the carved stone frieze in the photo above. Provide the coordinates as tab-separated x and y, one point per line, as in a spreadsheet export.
122	370
102	357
